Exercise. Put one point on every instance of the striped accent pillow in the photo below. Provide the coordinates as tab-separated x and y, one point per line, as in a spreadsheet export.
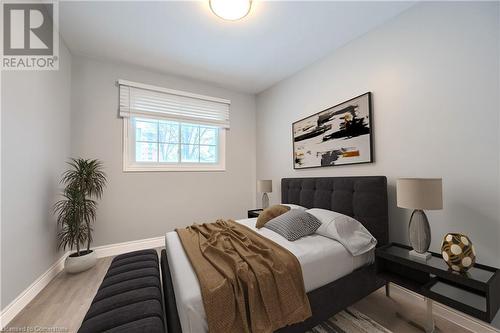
294	224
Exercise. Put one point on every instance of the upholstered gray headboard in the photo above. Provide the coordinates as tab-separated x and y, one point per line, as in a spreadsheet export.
363	198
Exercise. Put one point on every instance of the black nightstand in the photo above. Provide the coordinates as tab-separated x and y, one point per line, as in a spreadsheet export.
476	292
254	213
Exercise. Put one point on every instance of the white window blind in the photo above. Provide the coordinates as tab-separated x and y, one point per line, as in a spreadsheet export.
138	99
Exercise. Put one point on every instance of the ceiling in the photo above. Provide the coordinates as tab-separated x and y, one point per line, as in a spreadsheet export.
277	39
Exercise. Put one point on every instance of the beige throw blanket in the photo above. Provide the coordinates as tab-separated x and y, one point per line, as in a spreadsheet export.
248	283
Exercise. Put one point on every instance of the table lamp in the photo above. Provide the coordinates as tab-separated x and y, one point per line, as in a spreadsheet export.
264	187
419	194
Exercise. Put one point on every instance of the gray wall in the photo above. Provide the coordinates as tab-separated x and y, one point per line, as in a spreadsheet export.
142	205
35	145
434	74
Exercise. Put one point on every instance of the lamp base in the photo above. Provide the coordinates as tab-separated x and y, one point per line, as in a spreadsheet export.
419	231
265	200
420	256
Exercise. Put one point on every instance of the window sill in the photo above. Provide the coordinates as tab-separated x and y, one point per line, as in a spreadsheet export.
139	168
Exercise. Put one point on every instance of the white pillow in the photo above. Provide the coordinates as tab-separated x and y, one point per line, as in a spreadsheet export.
344	229
292	206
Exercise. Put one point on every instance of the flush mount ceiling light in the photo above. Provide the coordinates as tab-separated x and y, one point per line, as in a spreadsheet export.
231	10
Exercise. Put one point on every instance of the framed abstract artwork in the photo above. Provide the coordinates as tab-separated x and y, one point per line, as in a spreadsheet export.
339	135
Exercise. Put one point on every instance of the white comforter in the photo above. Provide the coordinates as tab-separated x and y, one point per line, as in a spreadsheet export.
322	259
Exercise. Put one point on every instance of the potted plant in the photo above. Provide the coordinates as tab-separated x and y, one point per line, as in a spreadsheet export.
76	212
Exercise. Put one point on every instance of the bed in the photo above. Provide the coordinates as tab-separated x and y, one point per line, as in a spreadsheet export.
333	278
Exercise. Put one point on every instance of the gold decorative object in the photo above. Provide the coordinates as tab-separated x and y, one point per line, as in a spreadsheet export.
458	252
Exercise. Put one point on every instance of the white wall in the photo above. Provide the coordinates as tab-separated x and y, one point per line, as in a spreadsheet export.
35	145
143	205
434	76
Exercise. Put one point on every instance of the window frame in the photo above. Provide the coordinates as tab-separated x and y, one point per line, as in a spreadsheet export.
130	165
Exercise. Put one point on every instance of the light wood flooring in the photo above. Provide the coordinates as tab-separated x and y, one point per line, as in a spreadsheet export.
61	306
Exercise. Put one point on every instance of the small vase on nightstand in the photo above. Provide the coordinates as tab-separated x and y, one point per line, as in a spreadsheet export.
458	252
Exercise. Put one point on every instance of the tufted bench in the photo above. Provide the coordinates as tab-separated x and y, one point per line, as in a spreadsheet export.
129	298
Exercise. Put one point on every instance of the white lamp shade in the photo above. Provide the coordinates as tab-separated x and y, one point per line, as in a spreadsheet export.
265	186
420	193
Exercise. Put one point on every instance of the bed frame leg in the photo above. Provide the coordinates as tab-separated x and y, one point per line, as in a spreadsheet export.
387	290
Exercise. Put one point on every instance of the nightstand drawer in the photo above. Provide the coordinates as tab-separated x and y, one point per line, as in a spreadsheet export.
469	301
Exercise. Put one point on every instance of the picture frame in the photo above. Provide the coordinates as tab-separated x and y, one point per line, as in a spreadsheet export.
339	135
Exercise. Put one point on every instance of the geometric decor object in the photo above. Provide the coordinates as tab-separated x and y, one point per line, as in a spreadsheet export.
458	252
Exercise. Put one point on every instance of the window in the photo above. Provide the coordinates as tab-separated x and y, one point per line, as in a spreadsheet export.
174	142
166	130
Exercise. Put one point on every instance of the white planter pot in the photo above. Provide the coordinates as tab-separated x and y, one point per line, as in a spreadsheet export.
79	264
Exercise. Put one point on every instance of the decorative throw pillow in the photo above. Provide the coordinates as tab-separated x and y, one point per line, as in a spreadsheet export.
270	213
294	224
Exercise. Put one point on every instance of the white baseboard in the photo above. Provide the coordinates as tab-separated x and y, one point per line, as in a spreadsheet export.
15	307
120	248
11	310
470	323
